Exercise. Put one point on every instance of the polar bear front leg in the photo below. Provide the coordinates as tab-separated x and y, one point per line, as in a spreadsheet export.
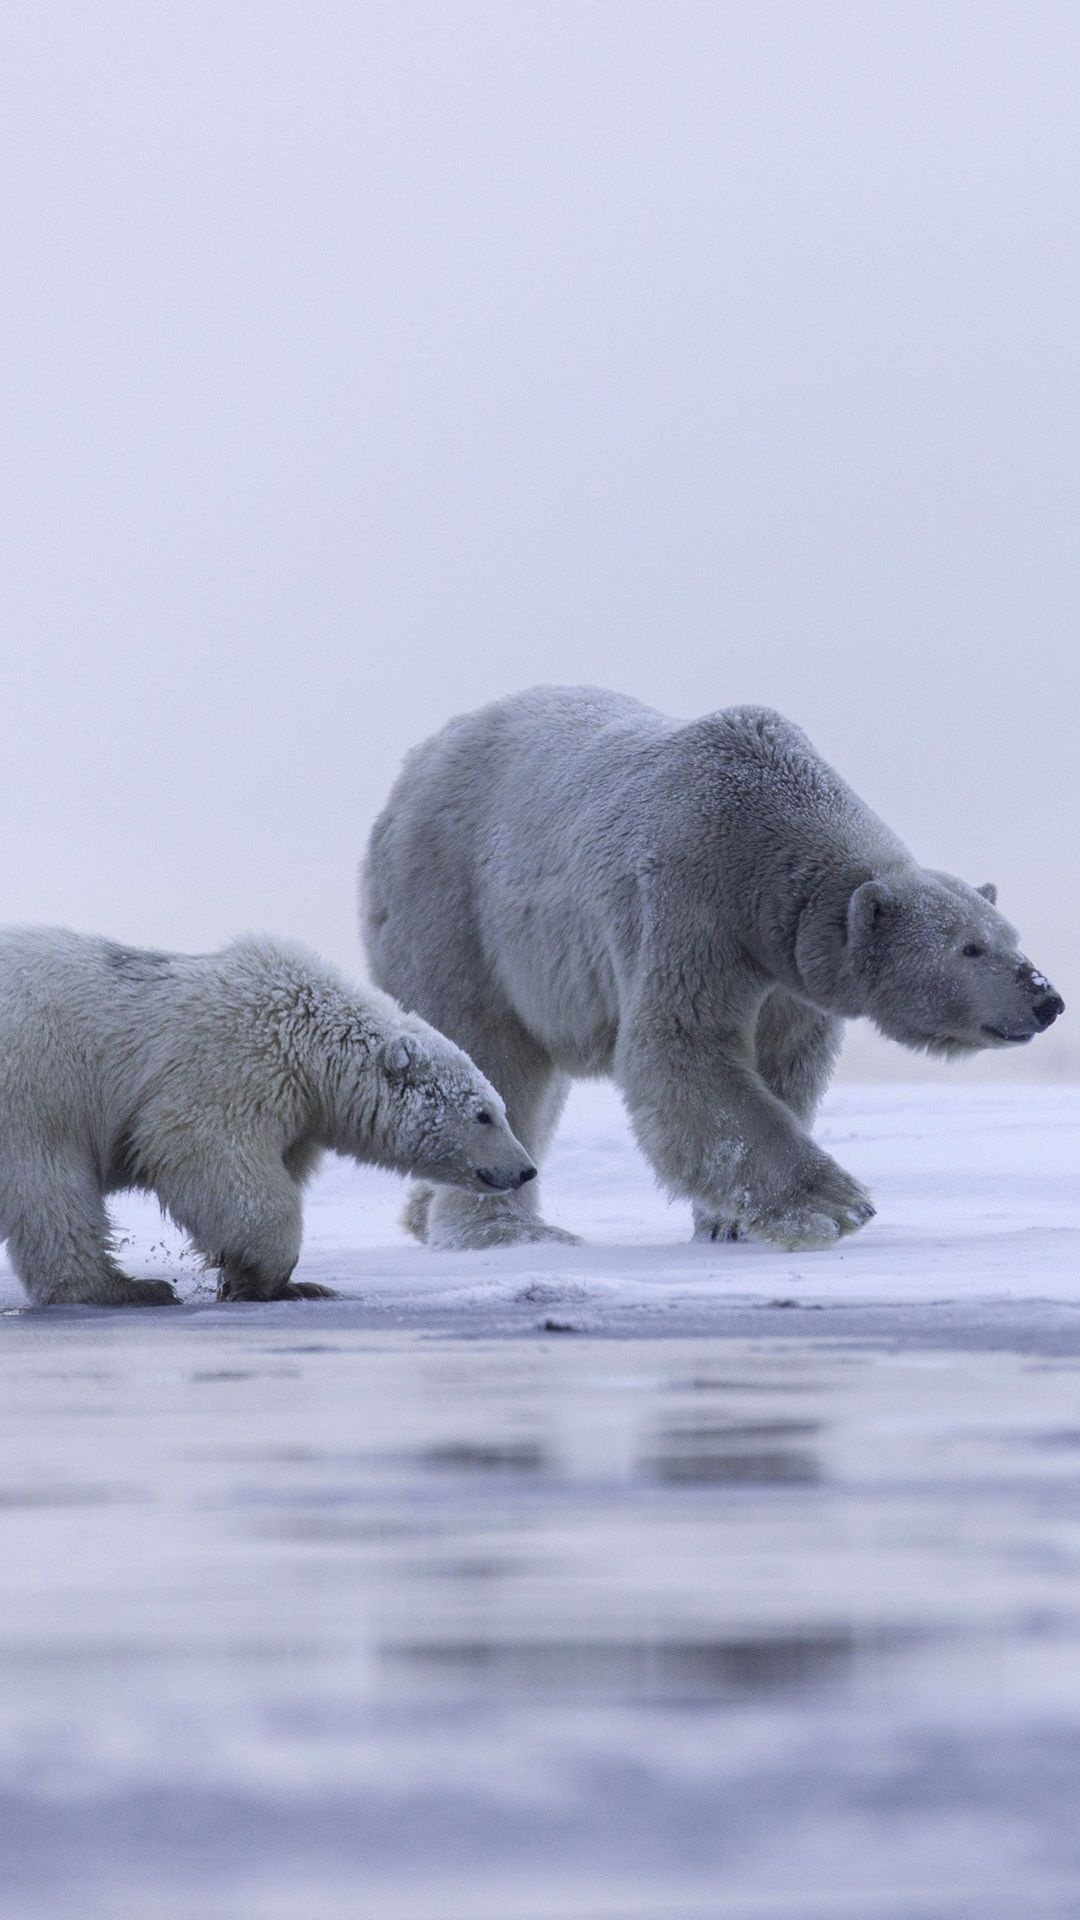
716	1135
534	1093
257	1262
244	1212
796	1049
58	1237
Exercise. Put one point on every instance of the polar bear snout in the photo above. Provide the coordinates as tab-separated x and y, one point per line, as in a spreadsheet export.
1047	1002
504	1182
1046	1010
1044	1005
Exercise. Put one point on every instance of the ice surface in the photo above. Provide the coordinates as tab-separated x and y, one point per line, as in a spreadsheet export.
640	1580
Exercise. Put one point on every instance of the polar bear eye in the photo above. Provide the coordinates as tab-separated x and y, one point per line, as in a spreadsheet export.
973	951
484	1119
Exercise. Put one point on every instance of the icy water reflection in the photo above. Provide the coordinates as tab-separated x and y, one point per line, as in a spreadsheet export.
391	1625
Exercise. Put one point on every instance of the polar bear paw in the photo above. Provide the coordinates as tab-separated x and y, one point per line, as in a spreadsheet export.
497	1232
458	1221
242	1283
717	1227
818	1213
137	1293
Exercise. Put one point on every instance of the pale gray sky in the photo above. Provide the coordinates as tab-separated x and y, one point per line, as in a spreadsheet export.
363	362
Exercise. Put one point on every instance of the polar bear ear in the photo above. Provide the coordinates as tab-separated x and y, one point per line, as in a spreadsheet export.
989	892
870	905
400	1054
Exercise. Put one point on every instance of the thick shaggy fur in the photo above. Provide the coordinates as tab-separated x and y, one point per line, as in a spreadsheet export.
571	884
214	1081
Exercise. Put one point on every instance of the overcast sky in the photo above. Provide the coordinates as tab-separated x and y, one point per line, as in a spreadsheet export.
363	362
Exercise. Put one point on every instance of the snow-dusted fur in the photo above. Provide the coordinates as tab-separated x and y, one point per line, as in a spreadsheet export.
569	883
214	1081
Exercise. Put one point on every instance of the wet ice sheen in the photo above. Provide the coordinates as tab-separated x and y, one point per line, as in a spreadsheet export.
306	1614
409	1622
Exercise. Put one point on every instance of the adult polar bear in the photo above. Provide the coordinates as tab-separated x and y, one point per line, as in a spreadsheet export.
569	883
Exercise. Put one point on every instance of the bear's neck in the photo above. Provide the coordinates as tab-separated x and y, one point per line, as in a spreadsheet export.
808	950
793	851
354	1113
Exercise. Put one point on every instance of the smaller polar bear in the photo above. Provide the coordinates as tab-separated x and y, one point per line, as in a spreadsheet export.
214	1081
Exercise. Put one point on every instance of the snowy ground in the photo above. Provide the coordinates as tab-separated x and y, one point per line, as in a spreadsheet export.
636	1581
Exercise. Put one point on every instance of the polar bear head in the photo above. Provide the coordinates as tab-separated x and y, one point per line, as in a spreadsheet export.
938	967
441	1119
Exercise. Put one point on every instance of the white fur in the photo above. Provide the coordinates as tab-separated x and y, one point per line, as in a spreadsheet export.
571	884
214	1081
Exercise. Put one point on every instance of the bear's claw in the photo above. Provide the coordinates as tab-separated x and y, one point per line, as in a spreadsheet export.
831	1205
237	1286
145	1293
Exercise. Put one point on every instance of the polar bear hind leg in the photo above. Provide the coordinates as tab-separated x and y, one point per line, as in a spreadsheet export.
59	1240
534	1092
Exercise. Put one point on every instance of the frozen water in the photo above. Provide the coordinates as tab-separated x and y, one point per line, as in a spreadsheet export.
640	1580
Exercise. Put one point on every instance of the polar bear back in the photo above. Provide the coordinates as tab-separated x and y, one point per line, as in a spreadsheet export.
549	825
94	1034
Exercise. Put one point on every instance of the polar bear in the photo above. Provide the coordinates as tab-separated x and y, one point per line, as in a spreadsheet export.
569	883
215	1082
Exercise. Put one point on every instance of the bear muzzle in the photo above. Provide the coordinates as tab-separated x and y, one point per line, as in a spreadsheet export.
1046	1010
1046	1007
1048	1002
504	1183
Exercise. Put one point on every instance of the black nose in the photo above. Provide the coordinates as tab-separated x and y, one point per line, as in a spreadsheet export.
529	1174
1047	1009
